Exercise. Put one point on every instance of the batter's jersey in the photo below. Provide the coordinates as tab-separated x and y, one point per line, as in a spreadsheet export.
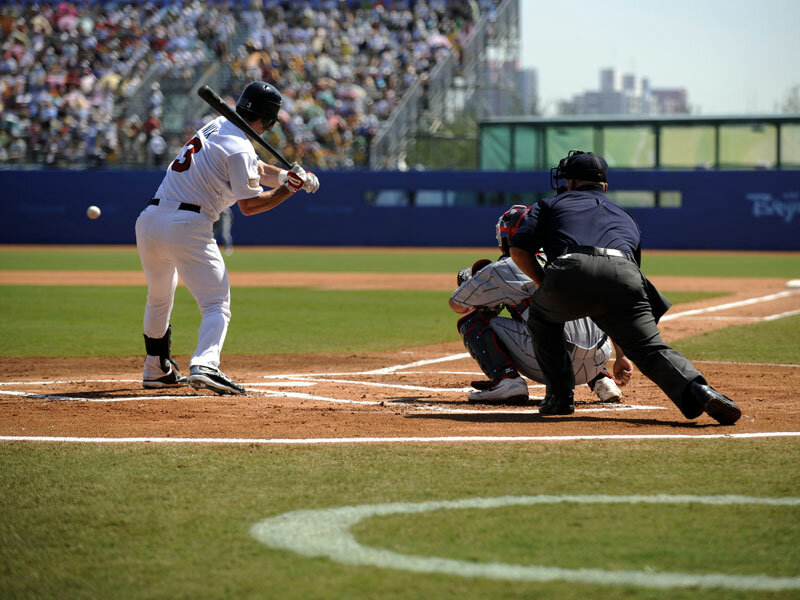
217	167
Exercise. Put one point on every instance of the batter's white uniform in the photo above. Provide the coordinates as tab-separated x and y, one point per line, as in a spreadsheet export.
217	167
502	282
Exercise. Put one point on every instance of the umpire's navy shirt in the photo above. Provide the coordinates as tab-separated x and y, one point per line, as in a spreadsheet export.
582	217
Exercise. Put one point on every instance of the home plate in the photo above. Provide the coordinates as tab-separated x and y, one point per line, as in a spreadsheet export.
793	284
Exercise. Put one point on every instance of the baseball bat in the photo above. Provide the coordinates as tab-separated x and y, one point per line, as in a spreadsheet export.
210	96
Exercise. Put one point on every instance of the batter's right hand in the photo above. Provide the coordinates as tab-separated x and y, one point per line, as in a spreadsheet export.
311	184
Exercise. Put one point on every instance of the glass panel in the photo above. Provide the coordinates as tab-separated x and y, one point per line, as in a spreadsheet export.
647	198
496	147
747	145
526	148
672	199
560	140
634	198
790	145
386	198
687	146
629	146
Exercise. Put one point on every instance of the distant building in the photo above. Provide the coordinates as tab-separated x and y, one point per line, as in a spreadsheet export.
670	102
513	91
528	86
626	94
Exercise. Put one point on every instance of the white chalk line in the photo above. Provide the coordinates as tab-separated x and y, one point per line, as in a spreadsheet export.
397	440
727	305
791	313
305	379
616	407
746	364
327	533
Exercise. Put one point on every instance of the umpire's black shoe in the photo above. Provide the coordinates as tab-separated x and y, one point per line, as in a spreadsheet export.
557	405
717	406
203	377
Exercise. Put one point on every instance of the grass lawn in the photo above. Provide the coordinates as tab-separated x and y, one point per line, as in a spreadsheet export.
265	320
173	522
394	260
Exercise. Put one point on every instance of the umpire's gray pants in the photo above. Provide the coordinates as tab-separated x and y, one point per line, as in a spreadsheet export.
612	292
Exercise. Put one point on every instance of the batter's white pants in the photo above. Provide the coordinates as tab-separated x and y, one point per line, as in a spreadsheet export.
589	348
174	242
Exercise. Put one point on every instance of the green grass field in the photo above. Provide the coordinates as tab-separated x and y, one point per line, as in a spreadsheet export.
174	521
399	260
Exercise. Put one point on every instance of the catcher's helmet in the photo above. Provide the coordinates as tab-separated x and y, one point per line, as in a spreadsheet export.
508	223
260	100
586	166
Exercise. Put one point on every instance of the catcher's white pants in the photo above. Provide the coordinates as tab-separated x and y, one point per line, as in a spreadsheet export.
174	242
589	347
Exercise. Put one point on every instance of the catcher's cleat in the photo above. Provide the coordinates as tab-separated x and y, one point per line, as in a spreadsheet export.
203	377
717	406
552	405
511	390
171	379
607	390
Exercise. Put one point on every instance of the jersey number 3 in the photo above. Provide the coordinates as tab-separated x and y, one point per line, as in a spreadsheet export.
184	160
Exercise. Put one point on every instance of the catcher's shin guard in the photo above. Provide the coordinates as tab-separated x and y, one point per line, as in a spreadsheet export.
161	348
484	346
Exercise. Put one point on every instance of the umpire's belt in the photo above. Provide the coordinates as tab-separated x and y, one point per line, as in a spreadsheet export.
595	251
181	206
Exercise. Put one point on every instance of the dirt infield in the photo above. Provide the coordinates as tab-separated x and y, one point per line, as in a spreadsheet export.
414	392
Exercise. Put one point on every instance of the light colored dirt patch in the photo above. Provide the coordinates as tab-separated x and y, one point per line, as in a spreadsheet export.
333	281
740	287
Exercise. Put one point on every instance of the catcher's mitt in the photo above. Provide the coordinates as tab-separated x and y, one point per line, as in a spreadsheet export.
467	272
463	275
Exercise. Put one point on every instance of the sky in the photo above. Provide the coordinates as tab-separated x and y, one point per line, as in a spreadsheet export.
733	57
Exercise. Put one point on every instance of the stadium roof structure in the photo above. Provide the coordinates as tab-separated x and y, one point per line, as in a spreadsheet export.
677	119
644	141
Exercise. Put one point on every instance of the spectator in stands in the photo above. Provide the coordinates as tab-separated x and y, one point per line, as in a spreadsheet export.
345	66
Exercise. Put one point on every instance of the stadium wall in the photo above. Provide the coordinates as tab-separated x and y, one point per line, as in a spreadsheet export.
730	210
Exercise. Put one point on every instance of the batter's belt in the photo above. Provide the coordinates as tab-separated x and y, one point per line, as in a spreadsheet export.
181	206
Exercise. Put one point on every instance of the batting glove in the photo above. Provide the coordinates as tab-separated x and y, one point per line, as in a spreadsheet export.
311	184
294	178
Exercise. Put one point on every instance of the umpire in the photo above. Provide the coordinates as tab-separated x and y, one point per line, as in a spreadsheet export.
593	250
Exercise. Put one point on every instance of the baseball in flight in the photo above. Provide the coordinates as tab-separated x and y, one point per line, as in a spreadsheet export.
92	212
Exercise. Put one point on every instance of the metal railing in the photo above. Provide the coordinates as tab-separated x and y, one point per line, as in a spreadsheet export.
430	100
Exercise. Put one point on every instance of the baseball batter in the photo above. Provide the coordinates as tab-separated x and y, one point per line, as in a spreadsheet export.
503	346
216	169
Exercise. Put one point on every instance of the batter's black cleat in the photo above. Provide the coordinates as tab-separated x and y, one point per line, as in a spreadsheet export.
557	405
202	377
717	406
171	379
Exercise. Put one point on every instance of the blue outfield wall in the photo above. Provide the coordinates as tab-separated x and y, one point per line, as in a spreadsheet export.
747	209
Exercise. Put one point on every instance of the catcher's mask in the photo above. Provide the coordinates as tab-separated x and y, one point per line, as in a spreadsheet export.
260	100
508	224
577	164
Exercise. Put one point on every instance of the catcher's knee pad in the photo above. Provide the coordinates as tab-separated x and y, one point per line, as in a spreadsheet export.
162	348
484	346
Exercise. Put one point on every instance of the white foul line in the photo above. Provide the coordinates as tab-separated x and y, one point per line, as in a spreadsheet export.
727	305
418	363
395	440
327	533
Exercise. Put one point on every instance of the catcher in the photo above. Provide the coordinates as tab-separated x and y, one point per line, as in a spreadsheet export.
503	346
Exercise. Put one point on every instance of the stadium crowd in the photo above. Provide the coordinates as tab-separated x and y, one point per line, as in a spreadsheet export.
69	69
